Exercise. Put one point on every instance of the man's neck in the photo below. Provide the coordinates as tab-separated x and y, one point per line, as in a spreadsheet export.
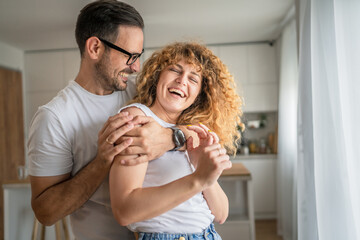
86	79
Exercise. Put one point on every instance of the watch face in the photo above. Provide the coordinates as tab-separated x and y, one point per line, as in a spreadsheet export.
178	138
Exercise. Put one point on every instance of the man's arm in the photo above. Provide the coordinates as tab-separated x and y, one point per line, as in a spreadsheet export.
58	196
150	141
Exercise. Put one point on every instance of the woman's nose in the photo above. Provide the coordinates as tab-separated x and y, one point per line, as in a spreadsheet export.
181	79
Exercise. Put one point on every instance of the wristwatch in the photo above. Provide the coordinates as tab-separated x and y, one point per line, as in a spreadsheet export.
178	138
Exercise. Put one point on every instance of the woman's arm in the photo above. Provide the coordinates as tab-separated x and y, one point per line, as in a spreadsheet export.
214	195
131	203
217	202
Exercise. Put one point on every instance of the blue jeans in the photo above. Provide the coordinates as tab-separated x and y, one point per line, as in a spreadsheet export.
208	234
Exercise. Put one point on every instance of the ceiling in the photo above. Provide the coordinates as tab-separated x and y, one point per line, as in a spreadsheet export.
50	24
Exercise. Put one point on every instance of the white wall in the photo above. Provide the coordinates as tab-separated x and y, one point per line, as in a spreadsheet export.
11	57
46	73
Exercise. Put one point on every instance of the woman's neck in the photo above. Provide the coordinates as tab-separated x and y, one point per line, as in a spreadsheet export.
164	115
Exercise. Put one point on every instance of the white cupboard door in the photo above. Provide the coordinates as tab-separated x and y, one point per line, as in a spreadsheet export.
260	97
235	58
261	64
263	173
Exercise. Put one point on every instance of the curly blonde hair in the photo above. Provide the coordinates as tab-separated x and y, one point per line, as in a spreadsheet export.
217	105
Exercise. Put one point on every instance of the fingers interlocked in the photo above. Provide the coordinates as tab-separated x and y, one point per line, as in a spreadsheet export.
108	141
221	151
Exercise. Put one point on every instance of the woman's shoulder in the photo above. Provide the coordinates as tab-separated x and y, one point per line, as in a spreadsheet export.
135	109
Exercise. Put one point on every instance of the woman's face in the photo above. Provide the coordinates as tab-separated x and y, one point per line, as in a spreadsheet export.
177	88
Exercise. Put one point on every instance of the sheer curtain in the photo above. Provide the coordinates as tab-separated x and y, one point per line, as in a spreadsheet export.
328	119
287	140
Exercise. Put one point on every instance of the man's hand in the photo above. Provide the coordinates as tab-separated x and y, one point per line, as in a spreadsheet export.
209	158
115	127
149	141
48	192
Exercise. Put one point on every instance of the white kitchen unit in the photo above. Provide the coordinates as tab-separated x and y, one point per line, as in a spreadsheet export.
253	66
240	224
254	69
19	216
262	200
263	171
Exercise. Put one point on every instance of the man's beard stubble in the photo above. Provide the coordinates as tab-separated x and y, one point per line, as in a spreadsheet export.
104	78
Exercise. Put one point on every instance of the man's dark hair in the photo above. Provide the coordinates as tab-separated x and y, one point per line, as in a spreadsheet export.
102	19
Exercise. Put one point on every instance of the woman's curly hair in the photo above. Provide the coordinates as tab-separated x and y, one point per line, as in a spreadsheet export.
217	105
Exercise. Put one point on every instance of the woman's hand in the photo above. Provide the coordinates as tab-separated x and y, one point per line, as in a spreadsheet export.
203	133
209	158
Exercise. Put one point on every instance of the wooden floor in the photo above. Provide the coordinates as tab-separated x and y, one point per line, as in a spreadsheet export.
266	230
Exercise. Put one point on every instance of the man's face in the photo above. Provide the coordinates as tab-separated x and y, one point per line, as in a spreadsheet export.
112	70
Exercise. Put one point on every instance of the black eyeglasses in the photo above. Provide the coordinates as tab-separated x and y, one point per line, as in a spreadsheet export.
132	56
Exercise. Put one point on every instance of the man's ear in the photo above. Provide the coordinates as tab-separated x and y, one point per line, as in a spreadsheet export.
94	48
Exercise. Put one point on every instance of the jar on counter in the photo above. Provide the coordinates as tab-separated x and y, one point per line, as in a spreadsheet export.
262	146
253	148
245	150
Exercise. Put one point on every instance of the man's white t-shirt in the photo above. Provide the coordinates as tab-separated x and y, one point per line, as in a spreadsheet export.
63	138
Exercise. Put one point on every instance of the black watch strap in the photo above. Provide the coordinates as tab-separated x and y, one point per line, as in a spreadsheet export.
179	138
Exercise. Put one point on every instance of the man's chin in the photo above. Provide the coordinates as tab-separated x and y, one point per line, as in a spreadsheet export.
120	87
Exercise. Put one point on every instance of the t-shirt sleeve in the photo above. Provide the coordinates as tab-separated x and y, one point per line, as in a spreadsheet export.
49	150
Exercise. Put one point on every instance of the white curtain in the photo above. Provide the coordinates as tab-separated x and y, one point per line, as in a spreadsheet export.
328	120
287	140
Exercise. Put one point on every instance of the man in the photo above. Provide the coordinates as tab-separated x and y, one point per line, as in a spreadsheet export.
70	148
69	157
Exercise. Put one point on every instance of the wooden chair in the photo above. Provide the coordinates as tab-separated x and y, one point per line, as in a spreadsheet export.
58	234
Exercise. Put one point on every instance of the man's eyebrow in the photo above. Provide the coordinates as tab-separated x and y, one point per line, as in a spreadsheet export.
178	65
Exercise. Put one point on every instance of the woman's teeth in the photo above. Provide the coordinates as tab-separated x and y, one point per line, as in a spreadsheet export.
177	91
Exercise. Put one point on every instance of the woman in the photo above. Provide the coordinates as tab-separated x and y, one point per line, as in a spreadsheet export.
182	84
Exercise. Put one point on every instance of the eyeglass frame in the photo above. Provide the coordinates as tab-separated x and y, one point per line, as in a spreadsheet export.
131	55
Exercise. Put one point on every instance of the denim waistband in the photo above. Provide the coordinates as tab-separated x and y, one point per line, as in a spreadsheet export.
208	233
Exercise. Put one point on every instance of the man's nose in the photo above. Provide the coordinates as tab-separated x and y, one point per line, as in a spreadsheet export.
135	67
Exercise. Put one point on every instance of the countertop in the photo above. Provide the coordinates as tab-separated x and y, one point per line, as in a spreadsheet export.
253	156
16	183
237	169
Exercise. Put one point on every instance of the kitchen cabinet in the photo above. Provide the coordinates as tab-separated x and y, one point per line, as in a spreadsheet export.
254	70
255	73
240	223
18	215
263	171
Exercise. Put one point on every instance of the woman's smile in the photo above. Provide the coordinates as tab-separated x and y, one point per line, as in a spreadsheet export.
177	88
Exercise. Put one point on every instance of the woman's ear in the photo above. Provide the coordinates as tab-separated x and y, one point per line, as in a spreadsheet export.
94	48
